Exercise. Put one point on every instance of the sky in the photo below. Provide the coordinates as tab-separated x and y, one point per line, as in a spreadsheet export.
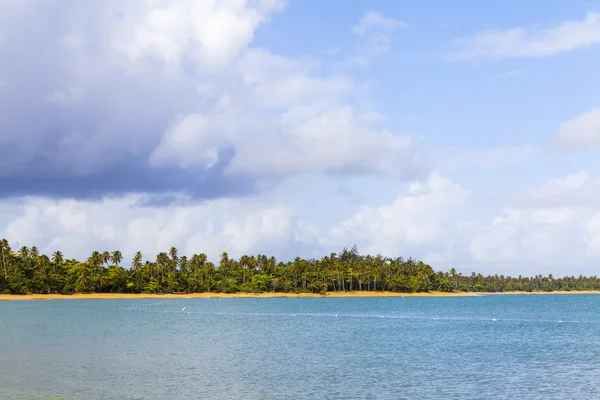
464	134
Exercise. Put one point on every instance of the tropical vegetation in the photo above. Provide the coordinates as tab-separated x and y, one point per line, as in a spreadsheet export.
27	271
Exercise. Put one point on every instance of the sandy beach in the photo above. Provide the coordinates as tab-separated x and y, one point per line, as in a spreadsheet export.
250	295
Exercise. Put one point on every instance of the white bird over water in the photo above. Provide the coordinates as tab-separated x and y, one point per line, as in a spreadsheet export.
184	308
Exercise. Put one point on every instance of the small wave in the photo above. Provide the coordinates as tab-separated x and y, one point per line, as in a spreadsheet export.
32	396
380	316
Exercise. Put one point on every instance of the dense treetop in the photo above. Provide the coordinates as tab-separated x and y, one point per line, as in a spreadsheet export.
25	271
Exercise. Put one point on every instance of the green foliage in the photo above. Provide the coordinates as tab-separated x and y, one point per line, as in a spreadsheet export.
27	271
151	287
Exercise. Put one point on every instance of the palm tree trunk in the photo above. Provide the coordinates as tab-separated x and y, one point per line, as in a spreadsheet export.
4	265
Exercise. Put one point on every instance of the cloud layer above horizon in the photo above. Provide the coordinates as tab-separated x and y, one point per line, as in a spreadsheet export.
225	126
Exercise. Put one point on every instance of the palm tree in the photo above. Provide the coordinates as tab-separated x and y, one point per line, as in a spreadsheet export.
137	260
162	261
245	261
136	264
82	275
183	265
174	259
95	260
454	277
4	252
43	271
34	252
224	262
24	252
196	264
116	257
105	257
57	258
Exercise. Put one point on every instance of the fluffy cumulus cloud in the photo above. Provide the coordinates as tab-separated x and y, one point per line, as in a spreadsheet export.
421	220
532	41
113	97
144	125
553	228
416	221
129	224
579	133
374	31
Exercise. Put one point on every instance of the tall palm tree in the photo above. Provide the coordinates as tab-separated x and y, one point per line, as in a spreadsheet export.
34	252
245	261
95	260
57	257
57	261
194	266
136	264
162	261
116	257
82	276
183	265
137	260
43	271
105	257
24	252
174	258
4	252
224	263
454	277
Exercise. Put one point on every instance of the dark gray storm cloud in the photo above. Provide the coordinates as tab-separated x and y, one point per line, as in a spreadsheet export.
129	176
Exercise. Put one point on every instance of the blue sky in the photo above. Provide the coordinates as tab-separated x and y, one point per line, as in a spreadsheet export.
466	133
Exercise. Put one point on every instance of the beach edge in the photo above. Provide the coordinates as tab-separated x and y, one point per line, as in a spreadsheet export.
208	295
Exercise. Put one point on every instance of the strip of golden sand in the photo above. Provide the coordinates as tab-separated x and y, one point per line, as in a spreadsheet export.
254	295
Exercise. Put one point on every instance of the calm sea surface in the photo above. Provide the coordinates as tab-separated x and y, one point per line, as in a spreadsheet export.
489	347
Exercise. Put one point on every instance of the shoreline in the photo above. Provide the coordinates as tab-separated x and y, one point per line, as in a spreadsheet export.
205	295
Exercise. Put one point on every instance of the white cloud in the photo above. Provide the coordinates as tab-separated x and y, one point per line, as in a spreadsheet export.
423	220
168	86
429	221
592	236
79	227
210	33
372	21
553	228
332	139
418	220
154	85
374	30
313	130
192	140
532	41
277	82
521	236
113	75
571	185
581	132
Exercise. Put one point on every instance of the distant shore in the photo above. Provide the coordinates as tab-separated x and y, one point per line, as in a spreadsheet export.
269	294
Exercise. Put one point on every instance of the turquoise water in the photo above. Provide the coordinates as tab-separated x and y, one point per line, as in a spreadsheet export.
302	348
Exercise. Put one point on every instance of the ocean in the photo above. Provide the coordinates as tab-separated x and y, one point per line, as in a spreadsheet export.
480	347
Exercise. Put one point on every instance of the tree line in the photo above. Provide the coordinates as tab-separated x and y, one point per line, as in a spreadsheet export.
27	271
